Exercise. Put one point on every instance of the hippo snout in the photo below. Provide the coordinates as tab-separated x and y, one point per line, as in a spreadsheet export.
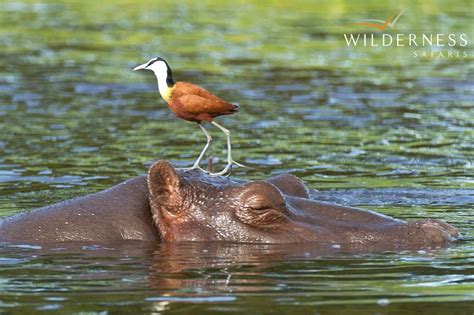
431	231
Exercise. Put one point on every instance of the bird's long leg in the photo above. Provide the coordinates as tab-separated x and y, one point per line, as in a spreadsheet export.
230	161
209	140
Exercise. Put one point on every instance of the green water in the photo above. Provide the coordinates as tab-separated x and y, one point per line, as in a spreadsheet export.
367	126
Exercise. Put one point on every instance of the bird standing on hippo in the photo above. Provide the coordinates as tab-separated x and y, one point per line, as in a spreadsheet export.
174	205
192	103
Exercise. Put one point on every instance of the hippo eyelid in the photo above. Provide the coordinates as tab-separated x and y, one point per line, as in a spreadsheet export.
267	206
262	217
260	208
262	197
257	203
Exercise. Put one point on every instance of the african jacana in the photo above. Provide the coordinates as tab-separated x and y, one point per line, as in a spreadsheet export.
192	103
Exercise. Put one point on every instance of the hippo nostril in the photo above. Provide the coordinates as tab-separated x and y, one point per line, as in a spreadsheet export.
448	228
434	231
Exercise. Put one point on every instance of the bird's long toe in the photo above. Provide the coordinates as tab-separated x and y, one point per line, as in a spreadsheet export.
187	169
226	171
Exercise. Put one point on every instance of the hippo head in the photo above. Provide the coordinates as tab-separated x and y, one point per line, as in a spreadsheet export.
192	206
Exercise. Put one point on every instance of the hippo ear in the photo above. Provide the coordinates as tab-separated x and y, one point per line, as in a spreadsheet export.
290	185
163	185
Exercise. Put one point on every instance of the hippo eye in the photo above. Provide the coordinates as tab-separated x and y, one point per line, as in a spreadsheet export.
258	202
261	205
261	196
263	215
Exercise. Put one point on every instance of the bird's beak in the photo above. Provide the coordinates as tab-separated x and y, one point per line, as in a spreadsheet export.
140	67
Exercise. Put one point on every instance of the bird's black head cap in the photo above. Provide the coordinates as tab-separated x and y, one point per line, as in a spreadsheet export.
169	76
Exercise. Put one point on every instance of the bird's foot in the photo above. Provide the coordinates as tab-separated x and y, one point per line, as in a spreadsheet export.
194	167
228	169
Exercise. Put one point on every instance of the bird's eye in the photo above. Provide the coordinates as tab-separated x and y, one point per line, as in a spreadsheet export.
151	62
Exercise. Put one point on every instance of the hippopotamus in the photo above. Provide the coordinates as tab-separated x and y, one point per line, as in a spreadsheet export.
195	207
175	205
118	213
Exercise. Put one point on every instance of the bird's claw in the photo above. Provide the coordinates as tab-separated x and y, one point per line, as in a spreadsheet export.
225	172
228	169
194	167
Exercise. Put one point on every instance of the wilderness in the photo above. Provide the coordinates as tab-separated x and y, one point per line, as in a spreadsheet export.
410	40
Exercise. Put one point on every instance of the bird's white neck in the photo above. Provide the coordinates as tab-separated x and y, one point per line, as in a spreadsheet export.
162	85
162	73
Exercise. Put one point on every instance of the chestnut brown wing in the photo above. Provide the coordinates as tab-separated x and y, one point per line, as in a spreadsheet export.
196	105
192	89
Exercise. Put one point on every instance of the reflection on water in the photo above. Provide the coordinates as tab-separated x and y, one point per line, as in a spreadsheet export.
370	127
232	277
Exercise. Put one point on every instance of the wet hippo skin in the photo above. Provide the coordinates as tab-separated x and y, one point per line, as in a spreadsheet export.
175	205
119	213
191	206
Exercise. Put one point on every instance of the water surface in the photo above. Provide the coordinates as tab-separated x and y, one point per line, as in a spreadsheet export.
368	127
